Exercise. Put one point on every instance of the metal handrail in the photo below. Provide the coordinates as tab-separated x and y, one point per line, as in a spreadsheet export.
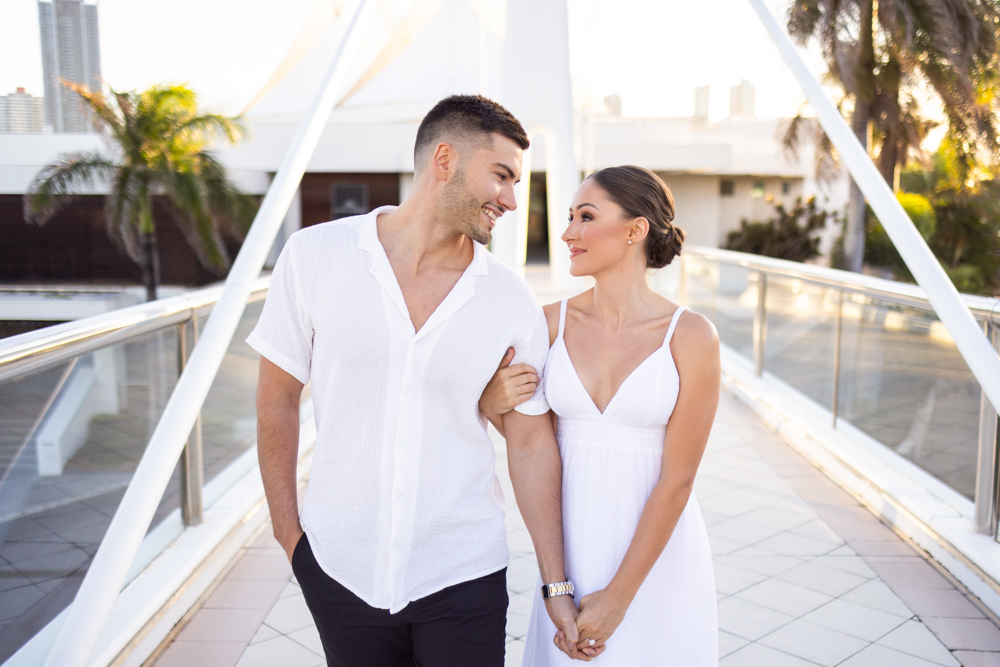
34	350
984	309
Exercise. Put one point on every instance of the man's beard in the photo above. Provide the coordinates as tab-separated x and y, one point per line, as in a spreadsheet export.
463	209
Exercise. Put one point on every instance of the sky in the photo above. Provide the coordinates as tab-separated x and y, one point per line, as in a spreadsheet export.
652	53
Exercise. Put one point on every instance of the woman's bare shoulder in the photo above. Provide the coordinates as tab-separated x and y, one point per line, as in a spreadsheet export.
552	318
695	334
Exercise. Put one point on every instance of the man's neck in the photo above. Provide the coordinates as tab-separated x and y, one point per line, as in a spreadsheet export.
415	239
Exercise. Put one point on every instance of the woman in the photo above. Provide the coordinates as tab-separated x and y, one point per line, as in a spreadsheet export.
633	382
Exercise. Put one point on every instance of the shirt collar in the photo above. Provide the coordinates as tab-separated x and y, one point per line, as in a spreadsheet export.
462	292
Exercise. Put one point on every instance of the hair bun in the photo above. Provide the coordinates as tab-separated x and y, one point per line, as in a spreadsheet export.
661	248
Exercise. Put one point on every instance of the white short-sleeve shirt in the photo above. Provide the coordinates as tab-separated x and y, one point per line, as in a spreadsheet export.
403	498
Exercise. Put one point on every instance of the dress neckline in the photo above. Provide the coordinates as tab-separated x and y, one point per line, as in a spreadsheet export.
665	345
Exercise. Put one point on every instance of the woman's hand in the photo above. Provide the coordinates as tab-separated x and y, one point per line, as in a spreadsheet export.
508	388
601	613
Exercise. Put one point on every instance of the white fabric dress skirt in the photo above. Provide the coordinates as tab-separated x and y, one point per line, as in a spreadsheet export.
611	462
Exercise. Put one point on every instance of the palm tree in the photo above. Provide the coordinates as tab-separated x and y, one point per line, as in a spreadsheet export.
879	52
158	142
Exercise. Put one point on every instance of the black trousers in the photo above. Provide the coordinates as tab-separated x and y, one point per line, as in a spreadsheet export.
461	625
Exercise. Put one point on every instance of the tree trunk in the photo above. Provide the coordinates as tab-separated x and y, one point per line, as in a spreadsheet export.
150	264
889	155
864	96
148	250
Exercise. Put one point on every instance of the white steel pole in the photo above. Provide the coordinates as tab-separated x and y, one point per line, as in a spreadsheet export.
107	572
968	336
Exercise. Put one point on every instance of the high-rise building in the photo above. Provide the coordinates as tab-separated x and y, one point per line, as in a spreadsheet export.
21	113
70	52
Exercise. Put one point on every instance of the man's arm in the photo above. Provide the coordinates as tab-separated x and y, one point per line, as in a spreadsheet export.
278	396
536	473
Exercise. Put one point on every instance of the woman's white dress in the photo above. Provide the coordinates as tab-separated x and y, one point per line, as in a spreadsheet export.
611	462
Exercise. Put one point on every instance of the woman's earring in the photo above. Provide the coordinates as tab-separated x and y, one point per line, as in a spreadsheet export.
630	242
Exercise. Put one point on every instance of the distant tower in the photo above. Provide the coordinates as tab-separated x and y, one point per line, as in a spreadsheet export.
20	113
741	100
70	51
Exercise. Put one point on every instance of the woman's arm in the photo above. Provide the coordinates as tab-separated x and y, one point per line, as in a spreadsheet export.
695	348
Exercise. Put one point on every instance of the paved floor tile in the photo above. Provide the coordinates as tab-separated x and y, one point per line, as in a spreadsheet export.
730	579
758	655
822	579
238	595
876	595
938	602
911	572
279	651
978	658
969	634
223	625
784	597
915	639
289	615
814	643
749	621
854	620
190	654
729	643
309	638
880	656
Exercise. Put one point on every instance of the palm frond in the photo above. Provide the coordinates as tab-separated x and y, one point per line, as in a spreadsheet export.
122	209
59	182
104	115
208	125
234	209
190	210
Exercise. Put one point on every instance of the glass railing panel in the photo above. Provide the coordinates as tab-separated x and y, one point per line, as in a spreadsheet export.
62	481
229	416
801	333
904	383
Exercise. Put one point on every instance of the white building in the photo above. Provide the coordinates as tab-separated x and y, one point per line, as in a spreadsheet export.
720	172
21	113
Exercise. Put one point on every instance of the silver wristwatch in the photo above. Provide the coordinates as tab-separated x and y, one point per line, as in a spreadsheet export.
561	588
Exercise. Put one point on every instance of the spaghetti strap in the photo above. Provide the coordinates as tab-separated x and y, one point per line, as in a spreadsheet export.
674	319
562	318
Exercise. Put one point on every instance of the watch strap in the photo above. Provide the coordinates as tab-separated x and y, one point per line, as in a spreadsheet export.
560	588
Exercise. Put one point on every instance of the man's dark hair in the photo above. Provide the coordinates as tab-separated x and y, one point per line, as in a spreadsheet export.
468	118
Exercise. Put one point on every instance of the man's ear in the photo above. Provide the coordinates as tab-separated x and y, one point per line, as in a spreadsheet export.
444	162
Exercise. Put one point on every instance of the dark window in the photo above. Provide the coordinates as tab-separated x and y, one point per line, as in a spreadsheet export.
785	187
727	188
757	191
348	199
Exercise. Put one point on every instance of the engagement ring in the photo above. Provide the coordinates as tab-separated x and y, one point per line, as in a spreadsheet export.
591	641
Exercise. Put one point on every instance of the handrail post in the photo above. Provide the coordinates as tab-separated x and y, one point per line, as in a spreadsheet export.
192	466
760	325
835	403
987	495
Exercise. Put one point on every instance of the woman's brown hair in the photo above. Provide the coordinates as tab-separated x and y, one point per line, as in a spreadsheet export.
642	194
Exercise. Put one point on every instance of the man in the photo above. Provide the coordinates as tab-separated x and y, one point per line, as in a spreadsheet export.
398	318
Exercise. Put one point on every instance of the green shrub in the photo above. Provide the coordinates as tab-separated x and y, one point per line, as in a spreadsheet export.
791	235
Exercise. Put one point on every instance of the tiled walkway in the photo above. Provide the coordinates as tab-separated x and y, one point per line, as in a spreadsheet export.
805	577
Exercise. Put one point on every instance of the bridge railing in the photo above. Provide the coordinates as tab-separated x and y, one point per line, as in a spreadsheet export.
872	354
